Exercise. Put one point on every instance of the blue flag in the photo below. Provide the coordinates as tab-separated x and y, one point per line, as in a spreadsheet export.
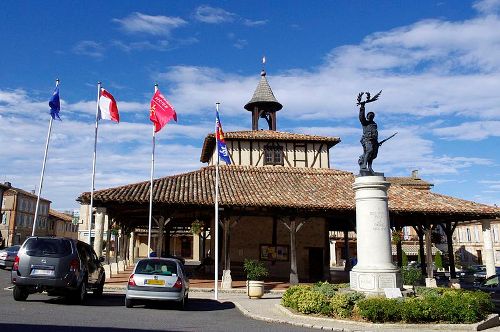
221	143
55	104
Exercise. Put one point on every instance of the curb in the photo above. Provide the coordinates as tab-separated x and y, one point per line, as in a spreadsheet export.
203	290
491	321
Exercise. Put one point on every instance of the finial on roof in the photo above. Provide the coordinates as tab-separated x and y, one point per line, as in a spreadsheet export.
263	72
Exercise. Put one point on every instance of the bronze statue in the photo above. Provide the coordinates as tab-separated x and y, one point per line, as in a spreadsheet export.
369	140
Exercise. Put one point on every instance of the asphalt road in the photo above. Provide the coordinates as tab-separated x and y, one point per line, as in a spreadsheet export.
42	313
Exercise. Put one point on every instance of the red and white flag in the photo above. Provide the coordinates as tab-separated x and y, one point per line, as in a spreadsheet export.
107	107
161	112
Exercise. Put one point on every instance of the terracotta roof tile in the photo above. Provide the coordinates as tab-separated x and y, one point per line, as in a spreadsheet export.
60	215
283	187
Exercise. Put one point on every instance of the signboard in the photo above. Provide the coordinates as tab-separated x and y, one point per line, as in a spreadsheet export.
273	253
393	293
76	217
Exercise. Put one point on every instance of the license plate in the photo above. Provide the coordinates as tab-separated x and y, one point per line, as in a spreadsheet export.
37	272
154	282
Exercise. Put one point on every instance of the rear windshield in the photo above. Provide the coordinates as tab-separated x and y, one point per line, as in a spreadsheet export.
40	247
160	267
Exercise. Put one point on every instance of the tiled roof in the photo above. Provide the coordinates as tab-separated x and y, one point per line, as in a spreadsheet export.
409	181
263	135
14	190
412	249
60	215
282	187
263	95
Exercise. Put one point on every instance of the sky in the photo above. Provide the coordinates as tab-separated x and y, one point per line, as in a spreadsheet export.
437	63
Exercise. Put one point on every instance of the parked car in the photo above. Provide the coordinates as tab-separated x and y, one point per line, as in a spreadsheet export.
7	256
467	274
60	266
480	276
158	279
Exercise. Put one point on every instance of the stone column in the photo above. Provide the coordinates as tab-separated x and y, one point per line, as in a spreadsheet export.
333	253
99	230
131	247
374	270
488	253
196	247
84	226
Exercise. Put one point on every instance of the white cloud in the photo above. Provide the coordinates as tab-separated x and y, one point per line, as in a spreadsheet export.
251	23
157	45
475	131
487	6
89	48
212	15
156	25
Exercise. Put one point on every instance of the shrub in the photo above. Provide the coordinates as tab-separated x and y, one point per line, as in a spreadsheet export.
404	258
438	260
311	302
411	275
291	296
427	291
379	309
327	288
439	305
255	270
342	303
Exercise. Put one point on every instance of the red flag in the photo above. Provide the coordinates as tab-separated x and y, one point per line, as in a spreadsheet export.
161	112
107	107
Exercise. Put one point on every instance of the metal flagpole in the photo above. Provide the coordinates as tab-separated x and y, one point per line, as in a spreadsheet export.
216	207
151	187
43	171
91	213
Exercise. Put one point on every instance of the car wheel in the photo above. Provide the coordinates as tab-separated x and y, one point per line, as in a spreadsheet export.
99	289
81	293
20	294
129	303
182	303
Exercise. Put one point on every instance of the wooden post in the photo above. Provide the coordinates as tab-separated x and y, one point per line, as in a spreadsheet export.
428	254
399	246
294	276
449	229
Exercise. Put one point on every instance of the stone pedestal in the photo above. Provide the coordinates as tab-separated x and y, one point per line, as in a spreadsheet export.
227	281
375	269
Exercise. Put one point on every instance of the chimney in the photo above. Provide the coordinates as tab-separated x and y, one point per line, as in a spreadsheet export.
414	174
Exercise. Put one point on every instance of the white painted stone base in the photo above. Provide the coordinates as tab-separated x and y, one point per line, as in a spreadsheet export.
375	282
430	282
227	281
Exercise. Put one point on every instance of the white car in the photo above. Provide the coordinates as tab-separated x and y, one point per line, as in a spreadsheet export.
158	279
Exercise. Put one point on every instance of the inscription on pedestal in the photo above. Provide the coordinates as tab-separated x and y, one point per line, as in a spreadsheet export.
386	281
366	281
379	222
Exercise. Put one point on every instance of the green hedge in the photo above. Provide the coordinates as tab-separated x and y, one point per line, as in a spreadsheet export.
342	303
452	306
429	304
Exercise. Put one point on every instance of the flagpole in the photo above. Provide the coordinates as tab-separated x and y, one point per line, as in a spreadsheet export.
151	187
216	209
91	213
43	171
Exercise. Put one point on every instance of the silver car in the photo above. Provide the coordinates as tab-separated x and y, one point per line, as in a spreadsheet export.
158	279
7	256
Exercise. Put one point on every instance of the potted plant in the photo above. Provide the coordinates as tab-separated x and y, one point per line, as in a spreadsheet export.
256	271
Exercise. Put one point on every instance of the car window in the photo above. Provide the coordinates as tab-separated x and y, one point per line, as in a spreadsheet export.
160	267
43	247
492	281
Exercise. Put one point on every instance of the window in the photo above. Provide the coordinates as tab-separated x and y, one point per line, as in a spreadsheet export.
494	230
476	233
273	154
467	230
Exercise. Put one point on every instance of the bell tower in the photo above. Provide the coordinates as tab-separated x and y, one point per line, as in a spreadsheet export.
263	103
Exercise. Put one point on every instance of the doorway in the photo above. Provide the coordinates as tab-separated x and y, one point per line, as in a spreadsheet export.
315	264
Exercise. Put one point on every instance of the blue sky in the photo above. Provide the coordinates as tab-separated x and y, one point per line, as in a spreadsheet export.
436	61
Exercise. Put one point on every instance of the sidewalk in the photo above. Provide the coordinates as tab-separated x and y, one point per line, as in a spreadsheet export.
268	308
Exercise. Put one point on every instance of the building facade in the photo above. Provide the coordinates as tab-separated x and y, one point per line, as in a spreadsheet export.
61	224
18	208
